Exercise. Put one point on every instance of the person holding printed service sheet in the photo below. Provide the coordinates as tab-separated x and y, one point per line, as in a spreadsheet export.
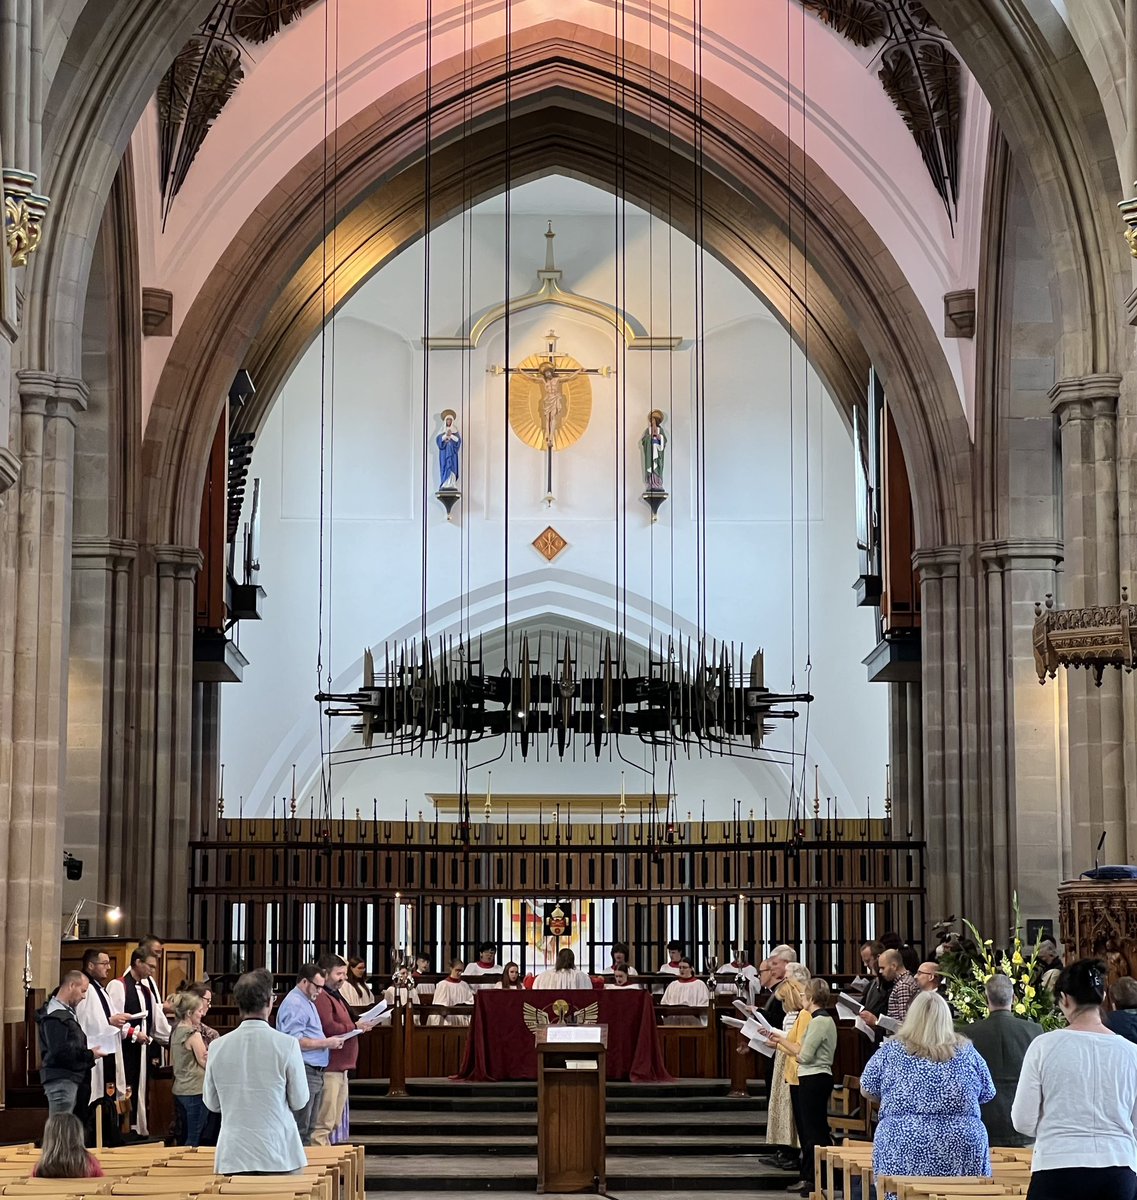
849	1008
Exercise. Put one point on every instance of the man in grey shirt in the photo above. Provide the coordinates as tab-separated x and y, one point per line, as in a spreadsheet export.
254	1077
1002	1039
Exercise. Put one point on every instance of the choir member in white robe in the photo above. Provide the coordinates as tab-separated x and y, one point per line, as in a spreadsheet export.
402	990
486	965
101	1020
355	989
424	987
689	991
620	958
130	994
510	977
564	976
453	990
675	955
675	952
621	982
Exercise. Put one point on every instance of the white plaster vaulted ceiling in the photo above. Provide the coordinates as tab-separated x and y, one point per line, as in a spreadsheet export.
847	125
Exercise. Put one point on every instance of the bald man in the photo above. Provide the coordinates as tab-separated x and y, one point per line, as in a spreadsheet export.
928	977
905	987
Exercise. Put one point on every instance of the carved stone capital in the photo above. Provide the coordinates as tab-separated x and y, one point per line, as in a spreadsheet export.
179	562
1085	397
101	554
1021	554
51	395
938	562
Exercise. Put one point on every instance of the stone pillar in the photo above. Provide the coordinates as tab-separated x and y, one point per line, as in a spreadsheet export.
947	829
149	847
205	780
906	758
34	591
1019	729
1086	408
99	733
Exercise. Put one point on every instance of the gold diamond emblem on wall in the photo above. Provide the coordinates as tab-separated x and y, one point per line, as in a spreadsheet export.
549	543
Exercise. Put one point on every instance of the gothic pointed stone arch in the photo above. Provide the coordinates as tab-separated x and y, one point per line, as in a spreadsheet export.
845	300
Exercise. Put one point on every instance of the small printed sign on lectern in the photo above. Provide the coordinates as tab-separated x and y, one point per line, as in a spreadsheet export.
571	1035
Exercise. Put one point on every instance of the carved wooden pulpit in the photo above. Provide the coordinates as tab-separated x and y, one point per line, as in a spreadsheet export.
1098	919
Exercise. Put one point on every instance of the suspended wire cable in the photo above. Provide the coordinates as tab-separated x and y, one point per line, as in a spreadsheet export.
806	370
508	310
426	221
327	412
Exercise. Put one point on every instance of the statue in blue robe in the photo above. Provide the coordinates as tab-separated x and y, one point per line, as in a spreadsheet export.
449	442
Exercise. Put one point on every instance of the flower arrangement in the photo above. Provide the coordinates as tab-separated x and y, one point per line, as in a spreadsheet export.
966	972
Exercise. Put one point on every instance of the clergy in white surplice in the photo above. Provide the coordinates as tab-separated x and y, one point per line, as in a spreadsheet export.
103	1022
134	994
686	991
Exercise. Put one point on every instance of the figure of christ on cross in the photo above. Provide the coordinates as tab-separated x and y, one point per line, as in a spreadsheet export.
554	402
552	380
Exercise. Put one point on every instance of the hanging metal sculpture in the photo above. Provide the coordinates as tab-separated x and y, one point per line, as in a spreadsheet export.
690	698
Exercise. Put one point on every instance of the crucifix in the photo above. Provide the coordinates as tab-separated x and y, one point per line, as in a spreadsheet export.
553	409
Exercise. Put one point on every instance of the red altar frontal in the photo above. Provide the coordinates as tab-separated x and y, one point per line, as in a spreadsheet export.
500	1044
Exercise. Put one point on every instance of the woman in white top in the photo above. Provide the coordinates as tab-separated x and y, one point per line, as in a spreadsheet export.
1077	1097
564	976
355	989
453	990
510	977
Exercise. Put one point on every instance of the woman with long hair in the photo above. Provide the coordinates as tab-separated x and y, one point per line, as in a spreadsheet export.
1077	1097
510	976
63	1155
930	1083
812	1083
355	989
187	1057
781	1131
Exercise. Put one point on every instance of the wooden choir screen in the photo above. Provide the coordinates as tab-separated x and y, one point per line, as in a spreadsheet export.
277	892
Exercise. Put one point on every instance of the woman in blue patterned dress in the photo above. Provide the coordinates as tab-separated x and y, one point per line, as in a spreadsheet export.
930	1083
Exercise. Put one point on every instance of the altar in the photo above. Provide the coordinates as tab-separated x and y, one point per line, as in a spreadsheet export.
500	1043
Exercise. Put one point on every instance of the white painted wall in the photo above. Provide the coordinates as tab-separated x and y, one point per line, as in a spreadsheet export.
757	534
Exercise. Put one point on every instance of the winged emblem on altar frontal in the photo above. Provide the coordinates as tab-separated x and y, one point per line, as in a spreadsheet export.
560	1013
535	1018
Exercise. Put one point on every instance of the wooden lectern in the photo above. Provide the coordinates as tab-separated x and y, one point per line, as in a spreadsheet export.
571	1117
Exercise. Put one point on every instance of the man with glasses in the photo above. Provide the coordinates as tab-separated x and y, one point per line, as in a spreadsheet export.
928	977
131	993
298	1017
102	1020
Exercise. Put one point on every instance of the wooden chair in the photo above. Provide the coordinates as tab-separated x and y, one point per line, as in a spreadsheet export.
847	1109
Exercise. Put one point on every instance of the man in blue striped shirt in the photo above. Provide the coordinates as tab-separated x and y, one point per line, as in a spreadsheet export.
298	1017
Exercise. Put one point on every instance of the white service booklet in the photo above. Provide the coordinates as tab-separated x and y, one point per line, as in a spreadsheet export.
374	1013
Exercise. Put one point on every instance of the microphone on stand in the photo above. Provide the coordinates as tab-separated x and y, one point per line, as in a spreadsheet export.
1097	852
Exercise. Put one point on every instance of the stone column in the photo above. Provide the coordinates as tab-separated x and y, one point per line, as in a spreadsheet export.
906	758
156	820
35	582
205	780
946	827
1019	728
1086	408
99	733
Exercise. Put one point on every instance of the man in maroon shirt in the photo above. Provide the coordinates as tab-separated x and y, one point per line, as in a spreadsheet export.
337	1020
